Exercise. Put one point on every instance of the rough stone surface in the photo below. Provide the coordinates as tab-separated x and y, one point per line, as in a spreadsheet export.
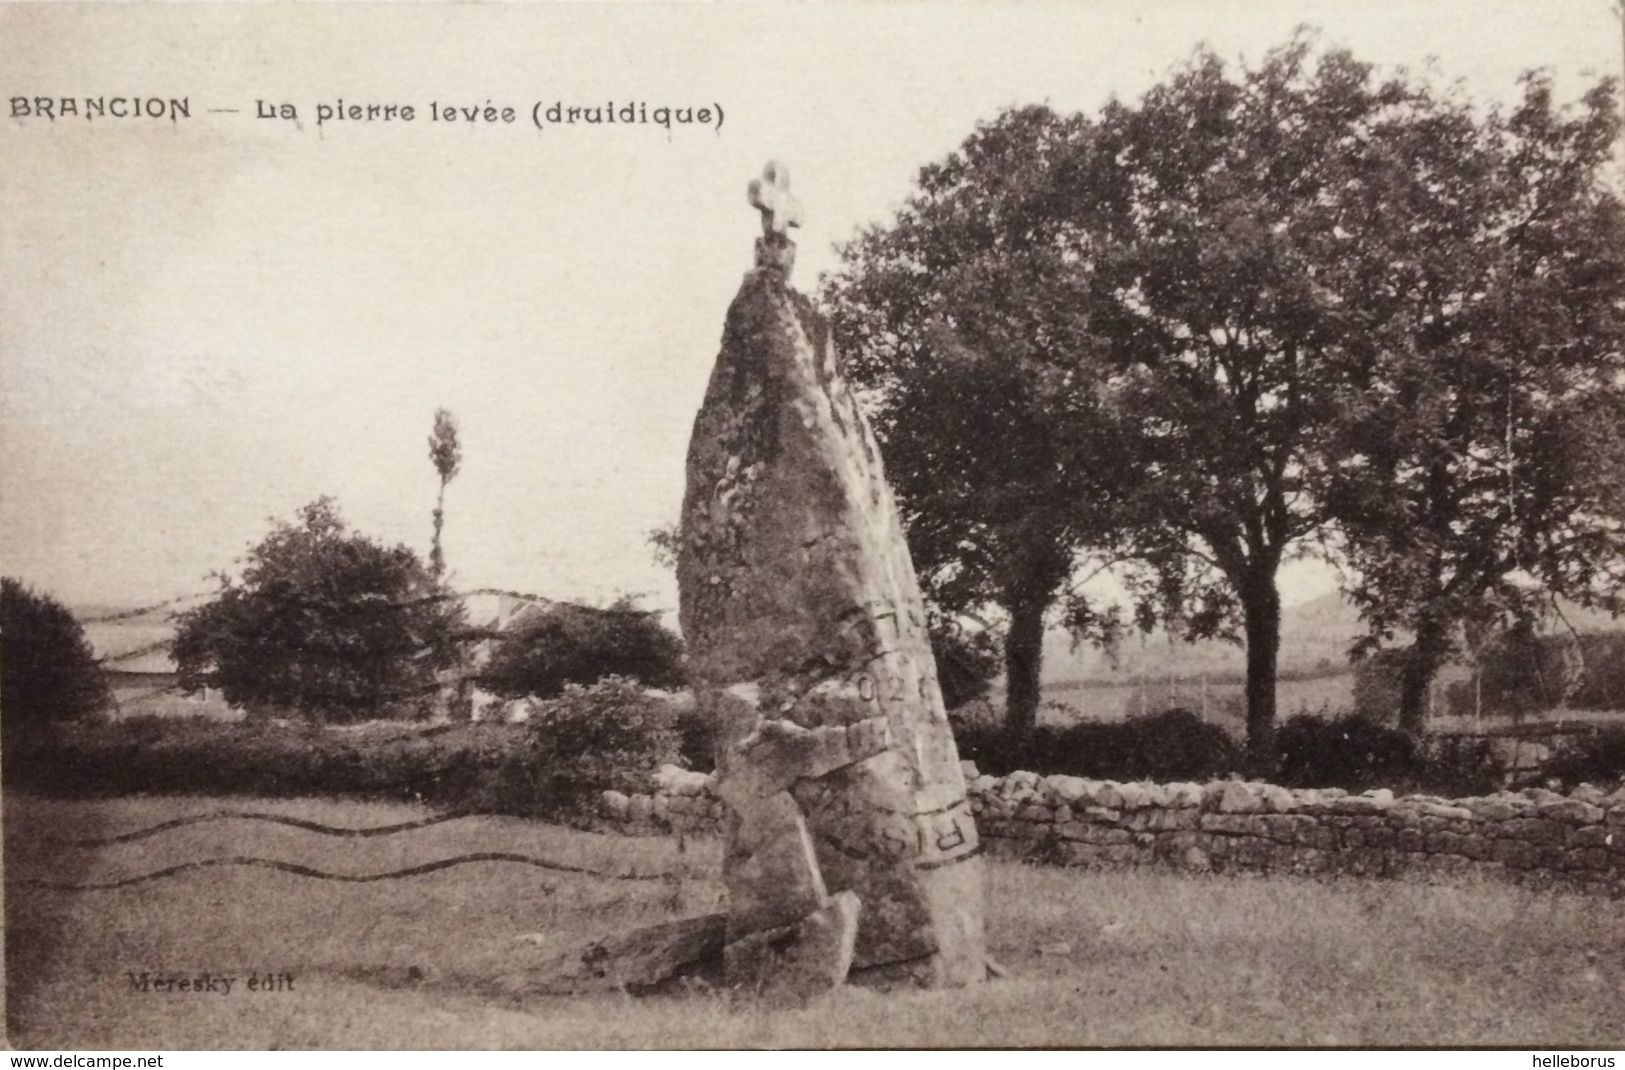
1553	841
1277	799
1491	809
794	963
808	651
1573	810
616	803
674	780
643	958
1235	797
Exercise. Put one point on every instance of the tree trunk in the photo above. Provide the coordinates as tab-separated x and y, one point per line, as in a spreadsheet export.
437	560
1415	680
1261	611
1023	658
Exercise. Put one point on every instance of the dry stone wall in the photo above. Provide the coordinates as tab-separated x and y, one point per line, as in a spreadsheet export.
1575	840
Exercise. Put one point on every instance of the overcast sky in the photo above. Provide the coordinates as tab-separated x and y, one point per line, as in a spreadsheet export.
209	323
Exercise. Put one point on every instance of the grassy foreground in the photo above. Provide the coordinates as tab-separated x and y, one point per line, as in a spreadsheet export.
1139	958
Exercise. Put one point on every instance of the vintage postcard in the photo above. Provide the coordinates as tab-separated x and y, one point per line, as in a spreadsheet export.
862	525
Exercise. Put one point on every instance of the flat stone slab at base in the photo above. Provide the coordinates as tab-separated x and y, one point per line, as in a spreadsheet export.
794	963
784	965
635	961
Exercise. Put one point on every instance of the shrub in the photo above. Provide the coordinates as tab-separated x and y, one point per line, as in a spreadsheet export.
1349	751
480	766
1521	673
1224	702
967	662
1458	766
569	644
1172	745
322	623
47	669
1597	758
1377	685
505	771
696	743
607	735
981	737
1603	685
1178	745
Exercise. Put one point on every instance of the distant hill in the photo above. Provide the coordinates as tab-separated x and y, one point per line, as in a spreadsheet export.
133	638
1315	638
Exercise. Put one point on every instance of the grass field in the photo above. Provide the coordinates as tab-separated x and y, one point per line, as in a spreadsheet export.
1095	959
1225	704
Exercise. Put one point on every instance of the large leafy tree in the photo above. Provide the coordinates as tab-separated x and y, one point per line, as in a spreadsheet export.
47	669
568	644
1210	220
322	622
963	322
1479	463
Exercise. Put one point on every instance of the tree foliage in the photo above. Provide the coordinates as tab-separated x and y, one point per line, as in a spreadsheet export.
446	454
1265	311
967	660
664	543
1377	677
1215	244
963	324
48	671
1520	672
324	623
572	644
1479	463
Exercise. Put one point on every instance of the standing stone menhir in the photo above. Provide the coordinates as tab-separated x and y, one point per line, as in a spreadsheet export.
851	848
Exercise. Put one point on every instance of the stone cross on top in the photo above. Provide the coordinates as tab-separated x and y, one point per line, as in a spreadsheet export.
771	196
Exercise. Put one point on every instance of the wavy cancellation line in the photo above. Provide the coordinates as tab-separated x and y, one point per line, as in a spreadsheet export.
277	819
347	878
366	832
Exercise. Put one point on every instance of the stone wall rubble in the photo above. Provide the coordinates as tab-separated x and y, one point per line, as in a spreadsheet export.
1575	840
